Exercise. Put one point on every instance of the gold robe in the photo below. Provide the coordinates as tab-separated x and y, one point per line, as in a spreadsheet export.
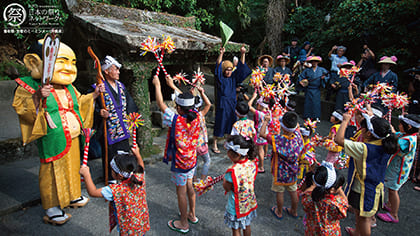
59	180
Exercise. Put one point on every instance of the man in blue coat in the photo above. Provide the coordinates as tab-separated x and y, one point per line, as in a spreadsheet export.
226	82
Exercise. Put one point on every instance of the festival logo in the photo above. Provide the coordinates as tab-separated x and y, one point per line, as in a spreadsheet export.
33	18
14	14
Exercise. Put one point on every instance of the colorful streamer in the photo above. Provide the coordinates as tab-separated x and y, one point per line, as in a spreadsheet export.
134	120
207	184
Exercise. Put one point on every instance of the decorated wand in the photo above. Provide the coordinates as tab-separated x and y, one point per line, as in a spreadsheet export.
88	133
207	184
134	120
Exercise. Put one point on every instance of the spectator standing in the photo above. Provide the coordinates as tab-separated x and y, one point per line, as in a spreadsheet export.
266	62
305	51
366	64
282	61
312	79
292	51
336	61
385	75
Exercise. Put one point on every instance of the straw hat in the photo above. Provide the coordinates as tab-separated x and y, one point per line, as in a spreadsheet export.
270	60
226	64
314	58
389	60
279	57
348	64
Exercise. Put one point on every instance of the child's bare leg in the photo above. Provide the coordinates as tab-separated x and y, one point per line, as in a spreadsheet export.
260	149
236	232
191	199
394	199
295	200
280	202
181	192
362	225
247	231
265	150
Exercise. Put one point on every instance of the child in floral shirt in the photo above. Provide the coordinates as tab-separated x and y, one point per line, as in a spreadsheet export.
284	165
244	126
324	203
130	190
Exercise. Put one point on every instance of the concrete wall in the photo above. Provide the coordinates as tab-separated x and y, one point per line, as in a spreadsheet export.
9	123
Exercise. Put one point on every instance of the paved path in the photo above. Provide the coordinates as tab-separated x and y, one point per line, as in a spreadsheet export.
161	197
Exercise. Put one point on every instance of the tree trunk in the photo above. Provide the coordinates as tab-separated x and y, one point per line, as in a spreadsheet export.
276	15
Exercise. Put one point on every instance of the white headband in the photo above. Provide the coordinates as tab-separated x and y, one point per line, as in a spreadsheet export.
331	175
184	102
288	107
261	102
118	171
200	102
305	132
409	122
239	114
108	62
287	128
236	148
377	112
337	115
370	126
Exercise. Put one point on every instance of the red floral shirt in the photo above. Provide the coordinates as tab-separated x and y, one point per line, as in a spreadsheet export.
323	217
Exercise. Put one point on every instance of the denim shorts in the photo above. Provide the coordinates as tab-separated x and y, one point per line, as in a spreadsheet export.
180	179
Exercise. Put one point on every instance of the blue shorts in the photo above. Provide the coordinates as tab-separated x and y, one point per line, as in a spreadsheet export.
180	179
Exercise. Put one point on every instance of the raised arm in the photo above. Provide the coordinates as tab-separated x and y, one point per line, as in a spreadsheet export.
220	57
159	98
262	133
170	83
332	50
339	137
207	103
251	108
136	153
370	52
243	51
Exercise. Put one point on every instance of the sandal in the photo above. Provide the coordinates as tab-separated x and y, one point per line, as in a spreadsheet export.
387	217
54	221
273	210
289	213
386	208
171	225
215	150
80	202
417	188
188	218
349	230
195	221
